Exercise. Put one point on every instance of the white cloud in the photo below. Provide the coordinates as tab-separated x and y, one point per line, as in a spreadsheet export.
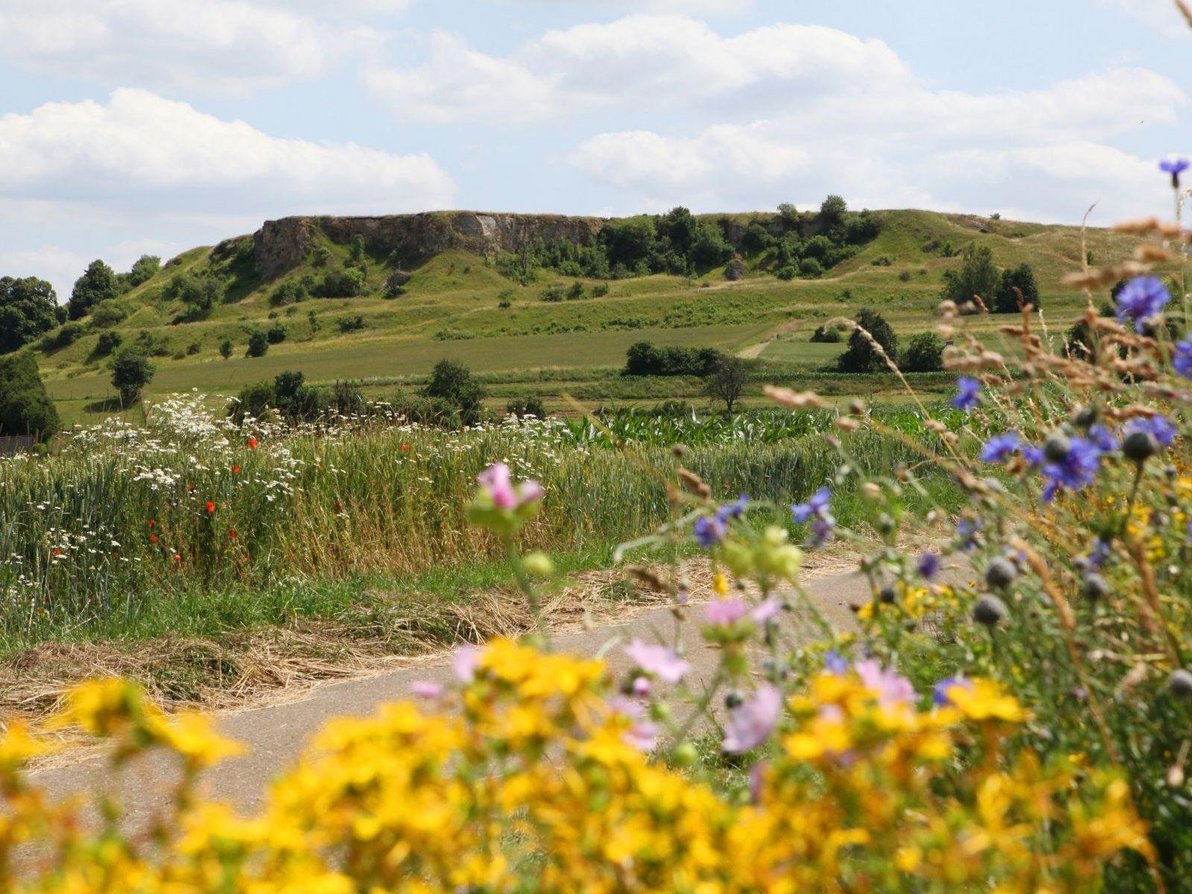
215	45
140	150
636	62
1043	152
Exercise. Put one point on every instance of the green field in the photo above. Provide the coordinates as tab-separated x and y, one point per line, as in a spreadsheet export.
452	309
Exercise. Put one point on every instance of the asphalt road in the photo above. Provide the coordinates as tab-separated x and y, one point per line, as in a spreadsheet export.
276	734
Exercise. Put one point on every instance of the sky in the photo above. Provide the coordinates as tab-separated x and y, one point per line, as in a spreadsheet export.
151	126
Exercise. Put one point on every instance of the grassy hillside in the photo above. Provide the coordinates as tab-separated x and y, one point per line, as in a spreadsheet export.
457	304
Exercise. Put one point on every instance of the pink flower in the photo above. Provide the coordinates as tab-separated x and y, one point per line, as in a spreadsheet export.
767	611
751	723
643	734
426	689
661	661
498	484
891	688
464	661
723	612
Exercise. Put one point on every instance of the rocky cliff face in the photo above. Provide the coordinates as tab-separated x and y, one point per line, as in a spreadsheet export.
281	245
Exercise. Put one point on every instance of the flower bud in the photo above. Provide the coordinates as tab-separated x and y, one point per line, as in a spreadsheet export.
1139	446
684	755
1180	683
538	564
1095	587
1084	417
1000	573
887	595
1057	447
989	610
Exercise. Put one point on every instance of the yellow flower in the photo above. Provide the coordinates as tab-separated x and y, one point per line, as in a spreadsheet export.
984	700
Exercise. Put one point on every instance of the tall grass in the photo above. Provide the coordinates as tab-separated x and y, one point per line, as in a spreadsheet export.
189	501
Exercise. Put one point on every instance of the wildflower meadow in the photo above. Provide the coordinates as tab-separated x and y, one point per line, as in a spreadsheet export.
1012	714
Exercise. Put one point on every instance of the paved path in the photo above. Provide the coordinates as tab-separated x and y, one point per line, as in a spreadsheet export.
276	734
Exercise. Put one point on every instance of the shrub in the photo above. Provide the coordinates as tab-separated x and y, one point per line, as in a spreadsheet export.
1021	278
811	268
786	272
646	359
526	406
107	343
225	348
258	343
108	313
826	335
576	291
924	353
454	385
600	290
289	292
552	293
25	408
344	283
193	348
350	324
861	356
66	336
131	372
276	334
734	270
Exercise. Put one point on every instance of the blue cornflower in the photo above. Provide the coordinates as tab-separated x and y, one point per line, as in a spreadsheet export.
1140	300
999	447
835	663
929	565
817	506
939	694
1102	438
1076	470
1033	455
709	531
966	532
821	530
1157	426
1181	358
967	396
1098	554
733	510
1174	168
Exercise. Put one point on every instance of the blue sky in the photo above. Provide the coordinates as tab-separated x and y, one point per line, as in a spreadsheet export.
134	126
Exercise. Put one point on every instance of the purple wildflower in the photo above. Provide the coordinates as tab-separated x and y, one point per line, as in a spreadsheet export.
641	686
891	688
929	566
816	506
642	734
1033	455
767	610
966	532
733	510
1077	469
1102	438
709	531
1175	167
967	393
1181	358
939	695
751	723
757	781
835	663
1000	447
426	689
1159	427
661	661
498	484
1141	300
821	530
722	612
464	661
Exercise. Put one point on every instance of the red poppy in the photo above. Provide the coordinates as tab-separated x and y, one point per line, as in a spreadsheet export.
153	538
210	507
405	448
177	558
339	507
55	552
252	443
231	534
152	523
235	469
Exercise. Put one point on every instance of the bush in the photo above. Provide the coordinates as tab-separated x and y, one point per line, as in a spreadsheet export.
350	324
576	291
552	293
288	293
131	372
600	290
106	314
826	335
1021	278
453	384
25	408
66	336
924	353
526	406
786	272
276	334
258	343
107	343
225	348
861	356
735	270
344	283
810	268
645	359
